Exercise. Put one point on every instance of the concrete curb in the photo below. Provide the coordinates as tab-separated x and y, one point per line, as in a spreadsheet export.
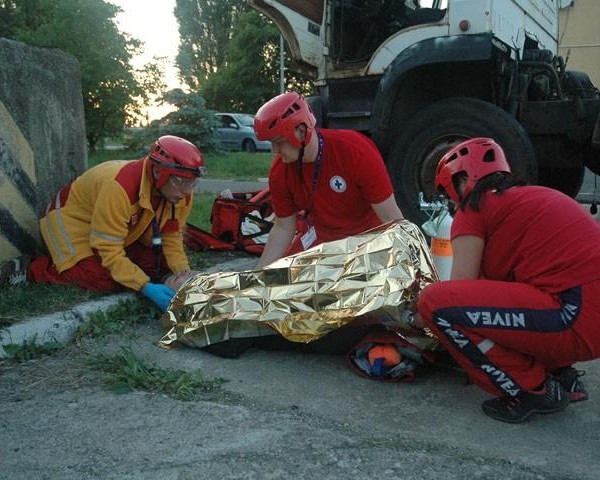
58	326
61	326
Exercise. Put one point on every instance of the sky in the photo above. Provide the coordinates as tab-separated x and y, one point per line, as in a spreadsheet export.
152	22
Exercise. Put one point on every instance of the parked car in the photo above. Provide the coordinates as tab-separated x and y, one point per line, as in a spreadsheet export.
236	132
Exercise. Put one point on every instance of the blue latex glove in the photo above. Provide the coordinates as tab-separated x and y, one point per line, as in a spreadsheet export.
159	293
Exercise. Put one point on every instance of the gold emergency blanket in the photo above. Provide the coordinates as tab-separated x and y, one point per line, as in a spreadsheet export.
306	295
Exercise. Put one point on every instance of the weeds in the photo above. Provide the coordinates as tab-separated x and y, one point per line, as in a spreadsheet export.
30	350
20	301
117	318
127	373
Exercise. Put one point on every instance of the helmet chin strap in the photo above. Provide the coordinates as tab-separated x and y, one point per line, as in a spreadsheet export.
300	159
154	183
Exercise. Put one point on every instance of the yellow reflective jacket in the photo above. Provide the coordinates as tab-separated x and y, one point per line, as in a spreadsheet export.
107	209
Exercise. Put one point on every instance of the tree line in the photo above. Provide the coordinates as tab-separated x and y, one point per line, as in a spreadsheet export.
228	60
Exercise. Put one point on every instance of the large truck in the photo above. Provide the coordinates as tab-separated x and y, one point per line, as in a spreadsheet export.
420	76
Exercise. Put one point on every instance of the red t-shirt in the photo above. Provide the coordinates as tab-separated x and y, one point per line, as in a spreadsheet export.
352	177
534	235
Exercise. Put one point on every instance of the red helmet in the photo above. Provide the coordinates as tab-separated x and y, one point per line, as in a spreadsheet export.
175	156
477	158
281	115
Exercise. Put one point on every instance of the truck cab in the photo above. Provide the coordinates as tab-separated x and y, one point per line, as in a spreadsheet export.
420	76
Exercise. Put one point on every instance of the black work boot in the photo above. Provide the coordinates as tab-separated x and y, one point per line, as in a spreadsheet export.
551	398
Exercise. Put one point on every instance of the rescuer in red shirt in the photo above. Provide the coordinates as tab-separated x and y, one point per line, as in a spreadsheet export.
522	302
336	178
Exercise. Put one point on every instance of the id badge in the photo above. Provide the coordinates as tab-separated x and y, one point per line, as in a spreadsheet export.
308	238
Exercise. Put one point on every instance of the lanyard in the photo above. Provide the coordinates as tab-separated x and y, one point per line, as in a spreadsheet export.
156	238
318	163
316	173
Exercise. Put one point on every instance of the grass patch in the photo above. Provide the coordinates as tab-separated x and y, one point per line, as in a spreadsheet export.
226	165
117	318
127	373
30	350
238	165
198	260
20	301
201	210
103	155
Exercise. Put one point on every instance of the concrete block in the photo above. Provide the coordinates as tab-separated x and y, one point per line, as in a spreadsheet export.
42	138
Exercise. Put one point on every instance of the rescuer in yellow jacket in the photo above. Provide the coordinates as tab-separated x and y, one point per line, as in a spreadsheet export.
120	224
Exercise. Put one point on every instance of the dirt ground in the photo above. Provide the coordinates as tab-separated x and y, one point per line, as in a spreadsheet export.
280	414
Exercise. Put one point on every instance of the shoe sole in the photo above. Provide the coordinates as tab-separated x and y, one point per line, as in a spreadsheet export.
525	417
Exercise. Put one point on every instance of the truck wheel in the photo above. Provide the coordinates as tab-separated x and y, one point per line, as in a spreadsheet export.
566	180
423	140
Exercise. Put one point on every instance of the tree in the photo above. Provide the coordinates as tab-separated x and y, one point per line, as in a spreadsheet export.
250	75
245	71
113	91
190	120
205	28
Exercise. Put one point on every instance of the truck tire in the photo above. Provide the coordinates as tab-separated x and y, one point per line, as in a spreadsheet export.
414	155
565	180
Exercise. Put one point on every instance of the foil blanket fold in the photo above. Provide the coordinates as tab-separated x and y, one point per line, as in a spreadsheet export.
307	295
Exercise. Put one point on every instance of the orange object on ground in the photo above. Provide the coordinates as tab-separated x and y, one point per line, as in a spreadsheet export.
389	353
